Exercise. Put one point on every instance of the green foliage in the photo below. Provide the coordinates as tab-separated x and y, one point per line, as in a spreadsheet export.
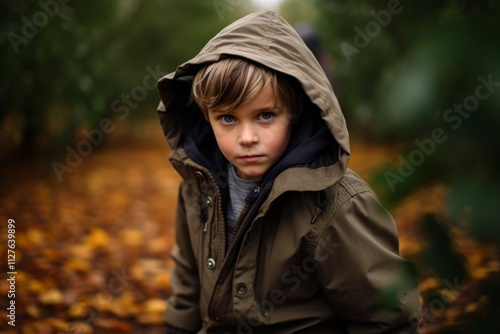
426	74
296	11
69	64
52	59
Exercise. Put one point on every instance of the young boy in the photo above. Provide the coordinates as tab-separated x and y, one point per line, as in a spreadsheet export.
274	233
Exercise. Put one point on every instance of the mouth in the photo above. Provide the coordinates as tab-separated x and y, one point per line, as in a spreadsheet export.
251	158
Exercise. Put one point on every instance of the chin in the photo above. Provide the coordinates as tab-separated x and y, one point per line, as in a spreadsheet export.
251	175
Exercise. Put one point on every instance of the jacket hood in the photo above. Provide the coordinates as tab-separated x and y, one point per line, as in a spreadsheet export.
266	38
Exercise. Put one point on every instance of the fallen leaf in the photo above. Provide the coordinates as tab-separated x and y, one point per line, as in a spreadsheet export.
97	238
36	237
58	324
80	327
132	237
50	297
78	310
113	326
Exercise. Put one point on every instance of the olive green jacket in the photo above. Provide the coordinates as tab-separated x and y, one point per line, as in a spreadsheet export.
314	252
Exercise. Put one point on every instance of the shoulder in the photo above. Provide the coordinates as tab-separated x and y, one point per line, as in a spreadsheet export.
350	187
348	202
353	184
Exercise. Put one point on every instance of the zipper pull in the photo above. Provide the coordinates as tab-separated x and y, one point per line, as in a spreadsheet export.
313	220
208	203
321	200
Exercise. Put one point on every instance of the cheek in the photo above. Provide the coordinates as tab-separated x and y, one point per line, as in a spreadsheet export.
278	140
225	143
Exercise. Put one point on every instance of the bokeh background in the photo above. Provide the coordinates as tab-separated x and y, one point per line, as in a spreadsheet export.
86	180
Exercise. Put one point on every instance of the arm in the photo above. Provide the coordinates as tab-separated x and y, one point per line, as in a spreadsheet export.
183	306
370	286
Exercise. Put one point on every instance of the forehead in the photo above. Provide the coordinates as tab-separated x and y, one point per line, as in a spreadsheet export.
264	100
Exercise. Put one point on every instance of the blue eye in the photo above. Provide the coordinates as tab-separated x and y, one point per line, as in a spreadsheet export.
227	119
266	116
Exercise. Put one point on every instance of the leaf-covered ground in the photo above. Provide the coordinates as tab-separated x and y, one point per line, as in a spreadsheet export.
92	251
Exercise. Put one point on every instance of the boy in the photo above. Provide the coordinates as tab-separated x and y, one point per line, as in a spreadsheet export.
274	233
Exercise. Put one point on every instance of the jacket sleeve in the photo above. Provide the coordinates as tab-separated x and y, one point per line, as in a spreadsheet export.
183	306
371	288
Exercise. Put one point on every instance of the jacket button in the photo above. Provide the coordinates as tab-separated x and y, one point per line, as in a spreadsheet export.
241	289
210	263
209	201
199	174
256	190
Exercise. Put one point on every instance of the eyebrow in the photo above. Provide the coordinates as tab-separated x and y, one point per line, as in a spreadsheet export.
263	109
218	111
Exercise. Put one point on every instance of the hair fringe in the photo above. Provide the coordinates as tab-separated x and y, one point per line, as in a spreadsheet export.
231	82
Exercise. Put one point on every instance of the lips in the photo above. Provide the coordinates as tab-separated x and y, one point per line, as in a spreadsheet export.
251	158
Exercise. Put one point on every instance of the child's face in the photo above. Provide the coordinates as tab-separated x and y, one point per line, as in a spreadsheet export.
253	136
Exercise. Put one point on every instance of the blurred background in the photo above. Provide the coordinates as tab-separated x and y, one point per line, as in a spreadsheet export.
87	190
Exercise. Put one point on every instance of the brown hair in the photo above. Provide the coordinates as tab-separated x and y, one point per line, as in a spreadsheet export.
231	82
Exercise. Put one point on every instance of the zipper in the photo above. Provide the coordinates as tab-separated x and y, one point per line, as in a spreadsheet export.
213	182
247	218
220	212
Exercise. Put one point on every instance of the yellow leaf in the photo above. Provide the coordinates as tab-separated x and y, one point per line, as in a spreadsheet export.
80	327
35	236
448	295
35	285
160	245
57	324
33	311
473	307
163	279
97	238
52	296
480	273
408	246
428	284
78	310
127	299
118	309
102	301
153	310
81	251
155	305
78	264
132	237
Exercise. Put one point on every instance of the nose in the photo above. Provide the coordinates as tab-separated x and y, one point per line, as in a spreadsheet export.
248	135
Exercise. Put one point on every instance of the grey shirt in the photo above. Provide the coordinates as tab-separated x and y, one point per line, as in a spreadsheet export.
238	191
